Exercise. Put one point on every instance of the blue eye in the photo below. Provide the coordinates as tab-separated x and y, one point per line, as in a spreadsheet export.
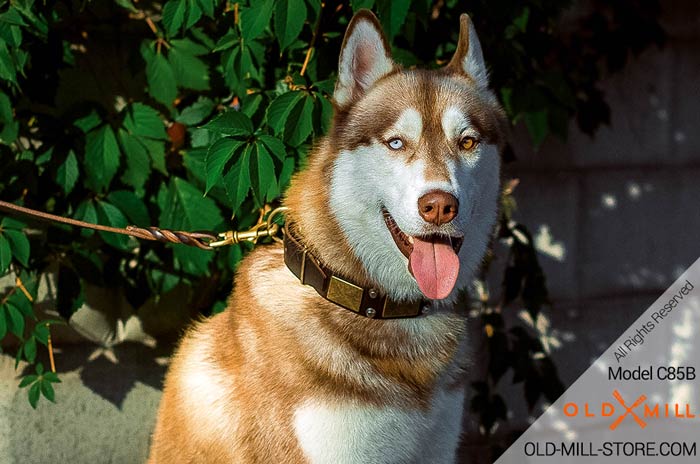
395	143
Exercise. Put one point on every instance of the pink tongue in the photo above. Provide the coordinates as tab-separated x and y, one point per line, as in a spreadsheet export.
435	266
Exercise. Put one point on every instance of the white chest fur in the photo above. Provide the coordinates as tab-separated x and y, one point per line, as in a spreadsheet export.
356	433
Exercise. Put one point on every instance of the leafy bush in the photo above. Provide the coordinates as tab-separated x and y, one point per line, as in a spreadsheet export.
193	114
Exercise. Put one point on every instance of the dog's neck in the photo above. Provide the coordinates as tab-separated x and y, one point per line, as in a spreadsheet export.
308	198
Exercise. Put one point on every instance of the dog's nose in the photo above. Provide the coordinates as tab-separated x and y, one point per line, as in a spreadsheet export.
438	207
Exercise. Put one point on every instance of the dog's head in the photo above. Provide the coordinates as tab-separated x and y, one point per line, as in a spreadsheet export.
415	180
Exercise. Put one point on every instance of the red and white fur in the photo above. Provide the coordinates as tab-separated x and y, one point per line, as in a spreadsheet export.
285	376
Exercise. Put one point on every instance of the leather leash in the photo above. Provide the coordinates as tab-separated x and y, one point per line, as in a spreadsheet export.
202	240
366	302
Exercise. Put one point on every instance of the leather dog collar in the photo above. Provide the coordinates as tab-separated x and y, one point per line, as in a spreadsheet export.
364	301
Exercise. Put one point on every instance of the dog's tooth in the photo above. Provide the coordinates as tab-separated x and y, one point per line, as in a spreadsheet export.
410	239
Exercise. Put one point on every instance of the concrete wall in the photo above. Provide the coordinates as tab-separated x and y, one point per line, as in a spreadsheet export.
616	219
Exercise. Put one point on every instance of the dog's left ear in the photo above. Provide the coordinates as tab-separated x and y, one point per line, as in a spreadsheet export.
468	58
365	57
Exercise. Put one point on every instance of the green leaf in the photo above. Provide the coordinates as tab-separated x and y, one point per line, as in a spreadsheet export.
326	113
507	99
521	21
101	157
392	14
127	4
12	16
193	260
299	124
9	222
28	380
30	349
7	65
207	7
289	20
160	77
86	212
15	320
44	157
255	19
189	47
237	180
174	15
275	146
19	244
286	174
5	254
131	205
138	163
196	112
51	377
359	4
156	151
186	208
142	120
200	138
20	301
227	41
67	173
34	392
193	14
279	109
10	127
47	390
41	333
89	122
250	104
537	126
38	23
110	215
3	322
217	156
232	123
190	72
262	172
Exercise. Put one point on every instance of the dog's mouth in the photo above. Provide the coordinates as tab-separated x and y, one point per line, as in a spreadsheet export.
432	259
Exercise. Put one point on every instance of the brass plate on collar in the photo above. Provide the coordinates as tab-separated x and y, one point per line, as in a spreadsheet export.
344	293
393	309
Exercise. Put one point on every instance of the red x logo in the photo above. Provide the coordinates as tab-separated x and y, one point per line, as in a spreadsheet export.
628	410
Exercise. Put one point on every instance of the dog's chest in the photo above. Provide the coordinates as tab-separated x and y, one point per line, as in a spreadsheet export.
356	433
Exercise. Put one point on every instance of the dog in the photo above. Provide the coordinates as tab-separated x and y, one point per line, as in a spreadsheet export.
347	344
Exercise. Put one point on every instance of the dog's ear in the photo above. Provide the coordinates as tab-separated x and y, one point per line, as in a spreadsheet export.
468	58
365	57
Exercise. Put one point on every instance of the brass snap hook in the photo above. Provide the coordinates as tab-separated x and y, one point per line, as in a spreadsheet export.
264	228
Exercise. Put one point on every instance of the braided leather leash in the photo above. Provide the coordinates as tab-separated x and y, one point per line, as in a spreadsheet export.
202	240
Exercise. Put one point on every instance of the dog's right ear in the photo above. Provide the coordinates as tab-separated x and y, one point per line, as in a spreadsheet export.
365	57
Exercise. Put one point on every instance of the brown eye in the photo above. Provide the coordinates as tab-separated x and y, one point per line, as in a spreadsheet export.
468	143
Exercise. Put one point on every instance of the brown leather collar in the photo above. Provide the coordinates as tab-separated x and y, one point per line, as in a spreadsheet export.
363	301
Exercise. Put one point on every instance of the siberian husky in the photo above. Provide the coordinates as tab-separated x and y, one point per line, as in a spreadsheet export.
345	345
